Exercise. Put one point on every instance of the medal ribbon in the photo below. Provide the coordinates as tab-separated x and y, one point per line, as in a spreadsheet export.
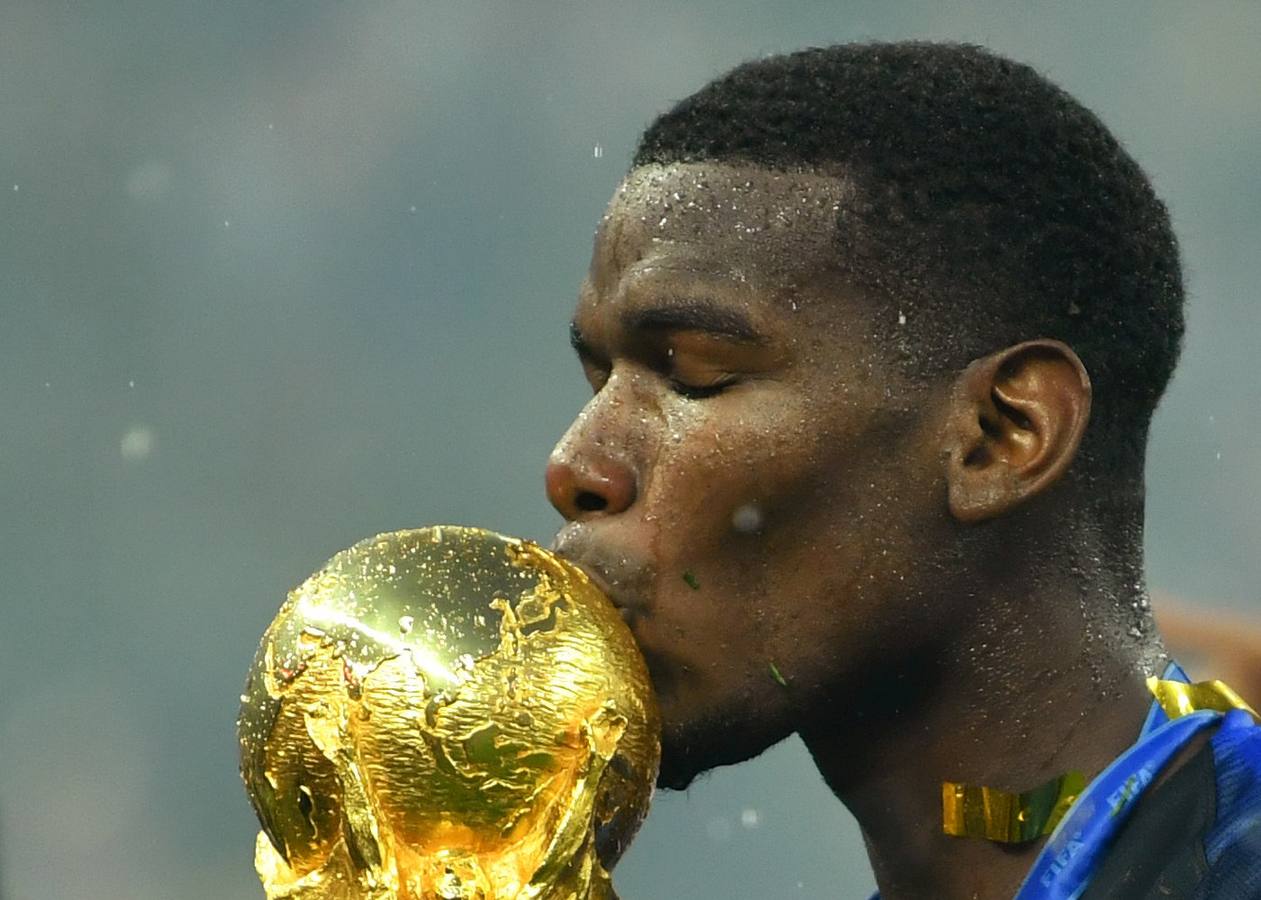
1062	870
1181	711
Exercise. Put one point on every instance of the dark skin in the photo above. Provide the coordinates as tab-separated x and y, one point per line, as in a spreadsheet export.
806	537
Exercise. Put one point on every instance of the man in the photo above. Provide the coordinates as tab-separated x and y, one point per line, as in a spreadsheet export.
875	333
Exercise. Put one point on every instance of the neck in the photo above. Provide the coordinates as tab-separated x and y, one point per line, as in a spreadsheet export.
1044	687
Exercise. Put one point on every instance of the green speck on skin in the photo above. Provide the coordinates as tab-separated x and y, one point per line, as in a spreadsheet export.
779	679
691	581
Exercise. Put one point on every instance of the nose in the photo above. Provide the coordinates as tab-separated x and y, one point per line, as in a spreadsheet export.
583	488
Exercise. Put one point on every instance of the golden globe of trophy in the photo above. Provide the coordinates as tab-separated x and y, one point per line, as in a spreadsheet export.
446	713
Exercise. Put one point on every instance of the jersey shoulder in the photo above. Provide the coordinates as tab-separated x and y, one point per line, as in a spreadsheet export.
1232	847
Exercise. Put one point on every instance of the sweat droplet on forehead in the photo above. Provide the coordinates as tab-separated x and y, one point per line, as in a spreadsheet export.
765	197
753	226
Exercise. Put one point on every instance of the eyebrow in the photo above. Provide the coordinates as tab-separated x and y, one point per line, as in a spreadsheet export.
691	315
695	315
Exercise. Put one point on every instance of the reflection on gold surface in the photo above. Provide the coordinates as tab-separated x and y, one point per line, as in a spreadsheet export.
1178	699
446	713
1008	817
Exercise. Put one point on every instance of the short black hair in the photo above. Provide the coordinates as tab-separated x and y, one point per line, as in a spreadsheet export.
989	207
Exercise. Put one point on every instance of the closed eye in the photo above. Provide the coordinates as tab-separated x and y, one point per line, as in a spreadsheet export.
701	391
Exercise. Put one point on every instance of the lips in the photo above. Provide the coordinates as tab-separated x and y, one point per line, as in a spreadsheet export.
616	574
627	581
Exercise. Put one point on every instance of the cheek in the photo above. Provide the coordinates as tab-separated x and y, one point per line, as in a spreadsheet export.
798	536
722	467
740	521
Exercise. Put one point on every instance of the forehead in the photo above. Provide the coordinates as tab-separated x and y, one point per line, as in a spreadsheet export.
751	227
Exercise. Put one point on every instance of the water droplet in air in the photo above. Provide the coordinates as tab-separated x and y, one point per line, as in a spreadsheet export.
136	444
405	624
597	151
747	519
750	818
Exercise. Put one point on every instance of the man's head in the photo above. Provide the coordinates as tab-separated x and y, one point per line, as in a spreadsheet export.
837	315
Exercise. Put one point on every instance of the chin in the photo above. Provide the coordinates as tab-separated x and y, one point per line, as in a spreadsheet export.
675	780
682	766
690	749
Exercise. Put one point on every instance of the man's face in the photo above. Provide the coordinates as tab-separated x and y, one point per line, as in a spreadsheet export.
746	478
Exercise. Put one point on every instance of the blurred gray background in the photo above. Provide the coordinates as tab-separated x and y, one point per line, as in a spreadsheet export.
279	274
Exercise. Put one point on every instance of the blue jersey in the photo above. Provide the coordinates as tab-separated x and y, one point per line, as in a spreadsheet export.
1232	847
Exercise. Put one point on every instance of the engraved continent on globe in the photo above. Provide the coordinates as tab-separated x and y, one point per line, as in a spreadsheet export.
446	713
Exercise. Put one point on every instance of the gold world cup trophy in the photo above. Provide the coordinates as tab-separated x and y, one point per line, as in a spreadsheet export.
446	713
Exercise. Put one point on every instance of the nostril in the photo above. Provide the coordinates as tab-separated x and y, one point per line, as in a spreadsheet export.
589	502
591	487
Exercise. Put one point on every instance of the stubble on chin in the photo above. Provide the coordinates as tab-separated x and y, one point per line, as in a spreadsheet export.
690	749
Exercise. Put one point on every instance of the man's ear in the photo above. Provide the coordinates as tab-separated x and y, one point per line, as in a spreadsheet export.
1016	420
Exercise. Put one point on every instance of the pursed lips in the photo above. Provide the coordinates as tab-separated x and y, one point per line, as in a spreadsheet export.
614	574
625	583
